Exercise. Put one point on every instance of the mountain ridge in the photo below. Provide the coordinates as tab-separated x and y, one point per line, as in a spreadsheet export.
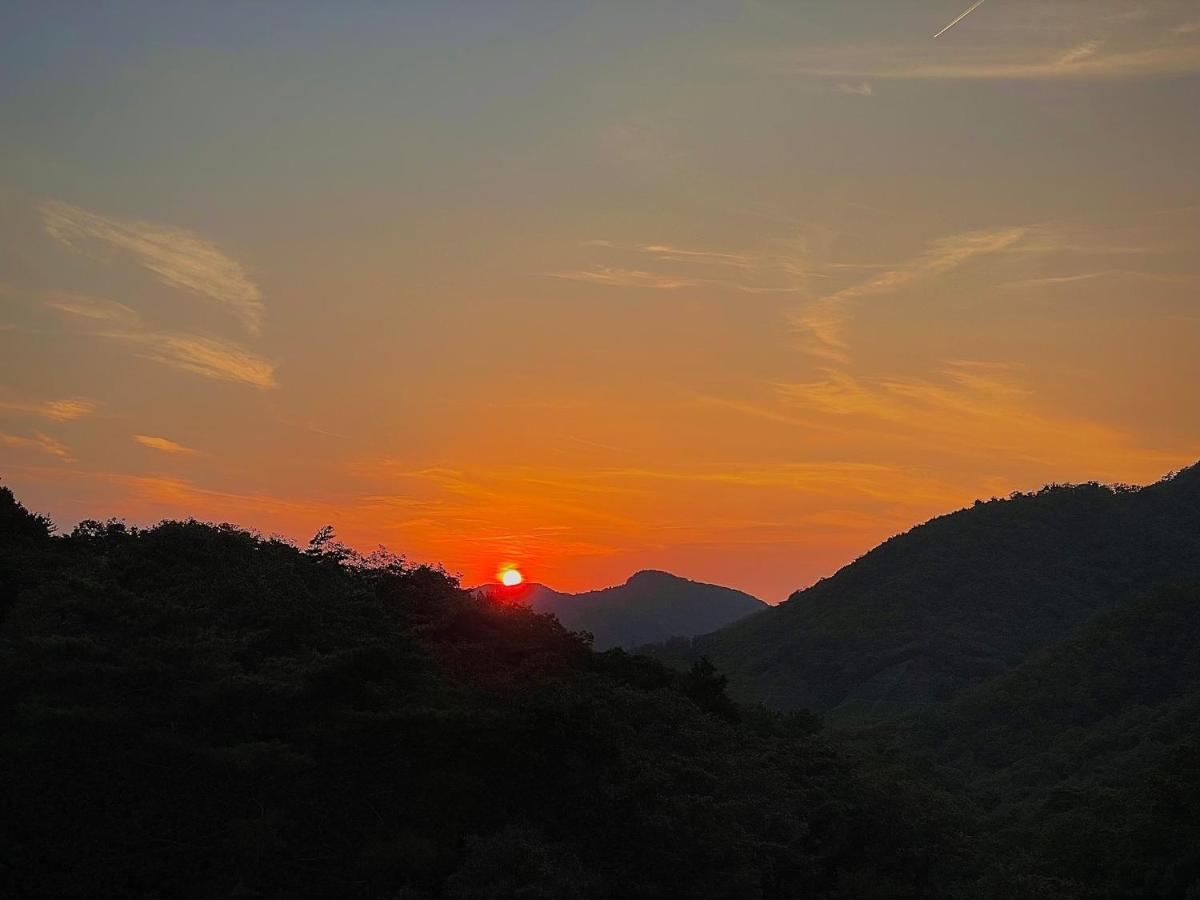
960	599
650	606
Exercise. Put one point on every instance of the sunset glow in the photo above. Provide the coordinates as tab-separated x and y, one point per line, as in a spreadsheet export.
777	297
593	449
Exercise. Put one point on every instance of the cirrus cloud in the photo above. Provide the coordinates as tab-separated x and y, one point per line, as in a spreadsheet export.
39	442
180	258
210	357
163	445
822	320
64	410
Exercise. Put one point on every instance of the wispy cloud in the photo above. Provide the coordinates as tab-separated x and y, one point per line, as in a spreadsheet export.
821	324
625	496
65	410
39	442
209	357
1055	280
1080	52
94	309
163	445
855	89
627	278
1083	240
822	320
976	409
942	256
783	266
181	259
147	498
669	253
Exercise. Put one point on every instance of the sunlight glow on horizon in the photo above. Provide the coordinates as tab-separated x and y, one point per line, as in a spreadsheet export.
740	308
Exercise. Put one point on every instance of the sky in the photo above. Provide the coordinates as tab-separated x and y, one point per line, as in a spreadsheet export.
735	290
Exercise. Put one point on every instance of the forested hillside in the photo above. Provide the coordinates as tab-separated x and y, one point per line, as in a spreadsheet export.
960	600
1083	764
192	710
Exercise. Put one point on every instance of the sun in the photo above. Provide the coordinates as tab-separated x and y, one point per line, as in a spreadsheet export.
511	577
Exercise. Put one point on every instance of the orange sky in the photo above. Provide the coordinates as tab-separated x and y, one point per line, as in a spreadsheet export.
735	294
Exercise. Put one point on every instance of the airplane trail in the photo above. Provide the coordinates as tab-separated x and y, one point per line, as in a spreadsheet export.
974	7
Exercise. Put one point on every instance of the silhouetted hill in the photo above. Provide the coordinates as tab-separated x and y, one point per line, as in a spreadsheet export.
961	599
1085	759
193	711
651	606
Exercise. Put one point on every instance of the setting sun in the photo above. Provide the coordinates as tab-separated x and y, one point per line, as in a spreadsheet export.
825	363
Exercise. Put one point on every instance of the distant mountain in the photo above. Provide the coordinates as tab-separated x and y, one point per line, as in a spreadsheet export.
961	599
650	607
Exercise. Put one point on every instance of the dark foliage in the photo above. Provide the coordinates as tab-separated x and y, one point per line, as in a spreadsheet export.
960	600
191	710
194	711
23	531
1084	762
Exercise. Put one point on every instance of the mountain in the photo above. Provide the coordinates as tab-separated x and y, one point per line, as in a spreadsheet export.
650	607
192	710
193	705
1085	759
961	599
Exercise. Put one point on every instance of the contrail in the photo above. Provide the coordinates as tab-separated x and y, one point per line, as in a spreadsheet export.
960	18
